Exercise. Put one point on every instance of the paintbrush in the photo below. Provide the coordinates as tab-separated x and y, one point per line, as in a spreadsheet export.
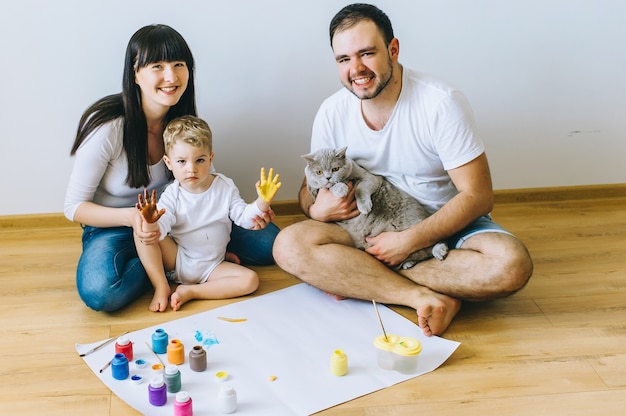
106	366
380	320
97	347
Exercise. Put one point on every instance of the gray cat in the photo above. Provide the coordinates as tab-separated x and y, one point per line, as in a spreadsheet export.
383	207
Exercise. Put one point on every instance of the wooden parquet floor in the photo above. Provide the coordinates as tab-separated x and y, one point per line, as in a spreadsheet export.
555	348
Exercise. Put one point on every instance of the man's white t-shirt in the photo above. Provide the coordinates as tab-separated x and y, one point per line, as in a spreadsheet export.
431	130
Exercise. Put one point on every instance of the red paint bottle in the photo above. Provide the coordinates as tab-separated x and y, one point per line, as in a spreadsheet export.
124	346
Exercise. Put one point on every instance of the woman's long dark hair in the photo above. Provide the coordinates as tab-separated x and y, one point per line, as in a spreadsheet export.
153	43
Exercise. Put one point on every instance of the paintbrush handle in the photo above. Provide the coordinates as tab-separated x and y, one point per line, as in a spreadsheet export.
97	347
107	365
379	320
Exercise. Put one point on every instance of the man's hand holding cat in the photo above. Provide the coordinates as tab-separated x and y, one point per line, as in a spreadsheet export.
388	247
329	208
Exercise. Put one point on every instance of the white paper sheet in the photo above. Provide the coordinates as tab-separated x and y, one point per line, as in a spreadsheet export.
290	334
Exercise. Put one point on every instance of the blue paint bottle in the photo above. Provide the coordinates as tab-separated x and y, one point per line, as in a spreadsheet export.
119	367
159	341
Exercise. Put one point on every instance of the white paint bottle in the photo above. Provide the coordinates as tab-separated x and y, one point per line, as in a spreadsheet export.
227	399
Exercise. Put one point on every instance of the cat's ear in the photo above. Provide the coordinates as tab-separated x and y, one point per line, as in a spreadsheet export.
308	157
341	152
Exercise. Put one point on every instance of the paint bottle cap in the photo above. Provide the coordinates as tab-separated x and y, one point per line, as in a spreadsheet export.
407	347
182	397
386	343
157	381
221	376
123	340
171	369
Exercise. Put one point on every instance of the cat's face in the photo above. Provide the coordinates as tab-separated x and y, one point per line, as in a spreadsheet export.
326	167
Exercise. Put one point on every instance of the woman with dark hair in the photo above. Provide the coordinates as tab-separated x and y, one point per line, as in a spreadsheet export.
118	152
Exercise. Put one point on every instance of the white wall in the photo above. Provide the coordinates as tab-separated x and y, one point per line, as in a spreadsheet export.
546	78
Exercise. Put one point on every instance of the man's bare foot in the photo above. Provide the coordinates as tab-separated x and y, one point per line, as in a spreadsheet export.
160	300
337	297
181	296
435	316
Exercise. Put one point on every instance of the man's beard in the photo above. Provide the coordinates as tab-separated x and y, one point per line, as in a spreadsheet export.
380	85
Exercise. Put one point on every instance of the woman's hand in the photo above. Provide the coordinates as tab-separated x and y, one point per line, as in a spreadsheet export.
146	233
145	224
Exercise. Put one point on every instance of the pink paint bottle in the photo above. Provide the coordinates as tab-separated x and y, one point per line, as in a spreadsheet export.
124	346
183	404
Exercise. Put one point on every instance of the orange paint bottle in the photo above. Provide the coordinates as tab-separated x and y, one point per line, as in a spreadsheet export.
175	352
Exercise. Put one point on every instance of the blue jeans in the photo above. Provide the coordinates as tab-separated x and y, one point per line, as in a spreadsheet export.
110	276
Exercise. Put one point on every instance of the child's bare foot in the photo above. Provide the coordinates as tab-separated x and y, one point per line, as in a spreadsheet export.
232	257
435	316
181	296
160	300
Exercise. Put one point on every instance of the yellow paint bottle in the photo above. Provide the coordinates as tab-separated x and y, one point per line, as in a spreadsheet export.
339	363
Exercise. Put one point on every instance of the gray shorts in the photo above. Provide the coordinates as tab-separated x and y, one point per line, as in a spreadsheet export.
484	224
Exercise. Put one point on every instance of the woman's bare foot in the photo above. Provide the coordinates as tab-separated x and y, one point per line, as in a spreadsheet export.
160	299
181	296
435	316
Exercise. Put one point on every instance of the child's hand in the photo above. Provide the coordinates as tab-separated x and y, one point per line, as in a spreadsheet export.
148	206
266	188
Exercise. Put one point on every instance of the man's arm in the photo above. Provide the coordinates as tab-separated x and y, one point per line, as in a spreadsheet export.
475	198
305	198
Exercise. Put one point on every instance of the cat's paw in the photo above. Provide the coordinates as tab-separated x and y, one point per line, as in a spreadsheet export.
364	205
339	189
440	251
406	265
